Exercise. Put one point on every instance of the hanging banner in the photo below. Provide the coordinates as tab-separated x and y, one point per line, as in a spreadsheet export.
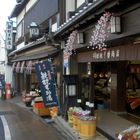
47	83
9	35
2	81
66	60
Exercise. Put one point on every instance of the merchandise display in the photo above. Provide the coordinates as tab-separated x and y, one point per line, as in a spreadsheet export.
132	133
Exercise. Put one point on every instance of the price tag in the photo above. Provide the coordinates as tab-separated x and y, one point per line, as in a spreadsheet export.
79	101
120	137
91	105
87	103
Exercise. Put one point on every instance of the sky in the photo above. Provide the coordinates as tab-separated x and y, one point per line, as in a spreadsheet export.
6	7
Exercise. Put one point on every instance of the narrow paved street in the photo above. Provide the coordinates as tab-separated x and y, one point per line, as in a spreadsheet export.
24	124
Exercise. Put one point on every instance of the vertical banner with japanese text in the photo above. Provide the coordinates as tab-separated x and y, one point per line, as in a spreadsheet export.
9	35
2	81
47	83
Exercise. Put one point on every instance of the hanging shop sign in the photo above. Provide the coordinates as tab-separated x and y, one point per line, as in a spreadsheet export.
9	35
18	67
46	79
13	66
29	67
118	53
66	60
2	81
22	66
107	55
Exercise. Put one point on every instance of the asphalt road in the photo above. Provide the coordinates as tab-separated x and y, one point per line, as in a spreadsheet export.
25	125
1	130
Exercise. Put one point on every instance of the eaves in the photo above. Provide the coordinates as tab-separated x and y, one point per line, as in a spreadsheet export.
45	53
90	11
29	46
18	8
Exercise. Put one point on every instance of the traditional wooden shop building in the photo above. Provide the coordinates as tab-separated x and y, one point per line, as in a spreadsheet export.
101	42
33	42
98	52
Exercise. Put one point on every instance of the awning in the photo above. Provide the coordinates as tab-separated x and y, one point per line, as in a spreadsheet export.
29	67
18	67
47	51
13	66
22	66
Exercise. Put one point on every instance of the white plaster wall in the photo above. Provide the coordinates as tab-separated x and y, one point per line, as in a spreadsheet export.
70	6
79	2
20	16
8	74
21	45
2	71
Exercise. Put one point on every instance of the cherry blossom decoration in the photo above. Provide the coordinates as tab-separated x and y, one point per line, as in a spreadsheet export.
69	48
100	33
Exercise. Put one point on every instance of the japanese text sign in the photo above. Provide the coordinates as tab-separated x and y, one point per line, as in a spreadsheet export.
47	84
9	35
2	81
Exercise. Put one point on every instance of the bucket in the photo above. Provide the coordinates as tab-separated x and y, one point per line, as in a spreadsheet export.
87	129
70	119
75	122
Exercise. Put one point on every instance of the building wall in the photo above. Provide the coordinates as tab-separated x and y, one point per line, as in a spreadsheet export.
129	23
8	74
80	2
40	12
70	6
20	17
30	4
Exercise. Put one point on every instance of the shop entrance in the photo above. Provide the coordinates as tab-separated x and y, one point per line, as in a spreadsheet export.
102	78
133	89
101	84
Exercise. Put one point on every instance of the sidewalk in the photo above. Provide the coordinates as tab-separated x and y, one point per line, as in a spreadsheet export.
71	133
60	124
108	124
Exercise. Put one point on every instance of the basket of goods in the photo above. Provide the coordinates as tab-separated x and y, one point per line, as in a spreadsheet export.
87	127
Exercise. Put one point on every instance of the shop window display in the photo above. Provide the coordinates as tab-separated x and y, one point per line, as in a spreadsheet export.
133	93
102	89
